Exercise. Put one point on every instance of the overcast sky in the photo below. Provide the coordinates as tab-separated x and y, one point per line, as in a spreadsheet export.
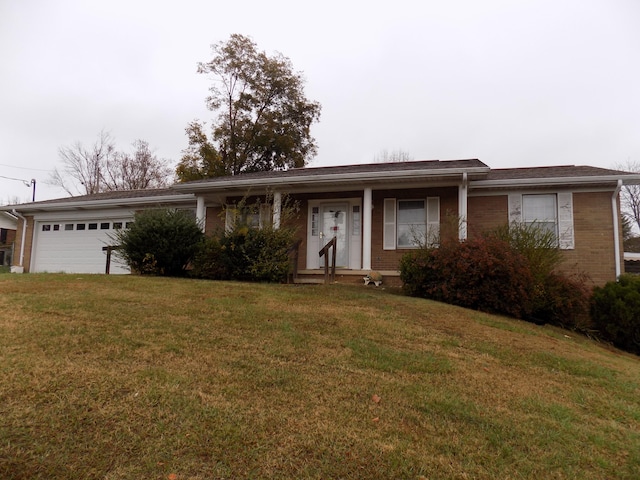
511	82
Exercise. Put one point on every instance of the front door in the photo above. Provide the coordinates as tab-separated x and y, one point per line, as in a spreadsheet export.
333	223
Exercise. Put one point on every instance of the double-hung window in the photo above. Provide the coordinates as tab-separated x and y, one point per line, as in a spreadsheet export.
411	223
541	210
550	211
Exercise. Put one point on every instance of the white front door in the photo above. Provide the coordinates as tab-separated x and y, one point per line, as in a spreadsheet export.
334	223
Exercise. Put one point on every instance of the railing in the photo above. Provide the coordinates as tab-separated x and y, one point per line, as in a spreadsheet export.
329	276
109	249
293	253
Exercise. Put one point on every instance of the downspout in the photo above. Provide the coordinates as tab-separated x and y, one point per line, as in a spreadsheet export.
20	267
616	229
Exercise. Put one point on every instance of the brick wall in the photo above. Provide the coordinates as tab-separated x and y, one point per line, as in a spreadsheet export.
382	259
593	229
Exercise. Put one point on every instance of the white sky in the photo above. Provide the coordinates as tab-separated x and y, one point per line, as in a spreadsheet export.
511	82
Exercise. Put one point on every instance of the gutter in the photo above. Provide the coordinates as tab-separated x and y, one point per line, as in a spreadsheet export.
616	229
567	181
20	268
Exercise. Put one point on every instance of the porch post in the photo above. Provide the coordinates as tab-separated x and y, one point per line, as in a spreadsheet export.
277	209
201	212
367	206
462	207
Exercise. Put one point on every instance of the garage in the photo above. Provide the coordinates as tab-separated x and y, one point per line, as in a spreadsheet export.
75	246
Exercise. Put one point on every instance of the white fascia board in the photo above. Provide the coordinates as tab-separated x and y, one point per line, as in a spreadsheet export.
108	203
329	179
554	181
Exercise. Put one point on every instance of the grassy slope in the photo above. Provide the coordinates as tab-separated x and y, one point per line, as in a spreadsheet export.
130	377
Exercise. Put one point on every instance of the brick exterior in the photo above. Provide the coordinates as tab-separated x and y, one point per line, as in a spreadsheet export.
592	214
593	231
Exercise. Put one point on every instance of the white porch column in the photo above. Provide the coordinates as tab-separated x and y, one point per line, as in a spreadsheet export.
201	212
277	209
367	206
462	207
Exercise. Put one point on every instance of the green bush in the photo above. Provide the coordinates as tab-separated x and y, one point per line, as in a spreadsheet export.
160	242
483	274
246	254
615	311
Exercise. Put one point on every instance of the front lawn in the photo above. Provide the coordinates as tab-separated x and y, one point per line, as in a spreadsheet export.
126	377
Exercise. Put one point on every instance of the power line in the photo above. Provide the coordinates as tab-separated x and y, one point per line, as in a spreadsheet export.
24	168
17	180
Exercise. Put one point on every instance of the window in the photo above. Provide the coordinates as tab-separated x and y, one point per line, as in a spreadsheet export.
46	228
553	211
68	226
248	216
93	226
315	216
80	226
128	224
411	223
356	220
104	226
540	210
3	235
117	225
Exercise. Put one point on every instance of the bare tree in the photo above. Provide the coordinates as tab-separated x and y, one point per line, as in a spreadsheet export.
101	168
630	195
136	171
385	156
82	167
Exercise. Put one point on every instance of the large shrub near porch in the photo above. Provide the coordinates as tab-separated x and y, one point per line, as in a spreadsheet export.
483	274
246	254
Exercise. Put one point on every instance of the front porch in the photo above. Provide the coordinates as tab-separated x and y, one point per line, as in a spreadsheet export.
390	278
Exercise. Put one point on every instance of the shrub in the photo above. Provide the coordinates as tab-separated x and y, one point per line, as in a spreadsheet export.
160	242
615	311
252	249
562	300
483	274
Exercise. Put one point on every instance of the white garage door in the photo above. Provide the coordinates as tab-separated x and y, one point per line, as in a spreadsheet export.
75	246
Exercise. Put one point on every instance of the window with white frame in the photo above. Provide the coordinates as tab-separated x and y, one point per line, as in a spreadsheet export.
552	211
411	223
541	210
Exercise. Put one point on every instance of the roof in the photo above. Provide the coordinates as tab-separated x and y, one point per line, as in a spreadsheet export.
427	166
347	177
117	198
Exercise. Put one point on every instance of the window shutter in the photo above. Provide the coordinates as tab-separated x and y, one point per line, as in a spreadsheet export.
389	241
565	221
515	208
433	221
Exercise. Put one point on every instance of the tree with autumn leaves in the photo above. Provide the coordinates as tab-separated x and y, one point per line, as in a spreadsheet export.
263	117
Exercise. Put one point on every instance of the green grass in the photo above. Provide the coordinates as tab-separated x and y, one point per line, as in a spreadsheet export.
128	377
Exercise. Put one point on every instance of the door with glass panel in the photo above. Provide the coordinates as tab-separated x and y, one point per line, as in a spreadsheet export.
333	223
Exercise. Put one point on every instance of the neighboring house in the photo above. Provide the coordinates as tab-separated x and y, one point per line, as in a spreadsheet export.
8	225
378	212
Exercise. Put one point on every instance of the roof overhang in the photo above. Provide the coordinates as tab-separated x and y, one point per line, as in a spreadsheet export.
335	182
582	181
98	204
